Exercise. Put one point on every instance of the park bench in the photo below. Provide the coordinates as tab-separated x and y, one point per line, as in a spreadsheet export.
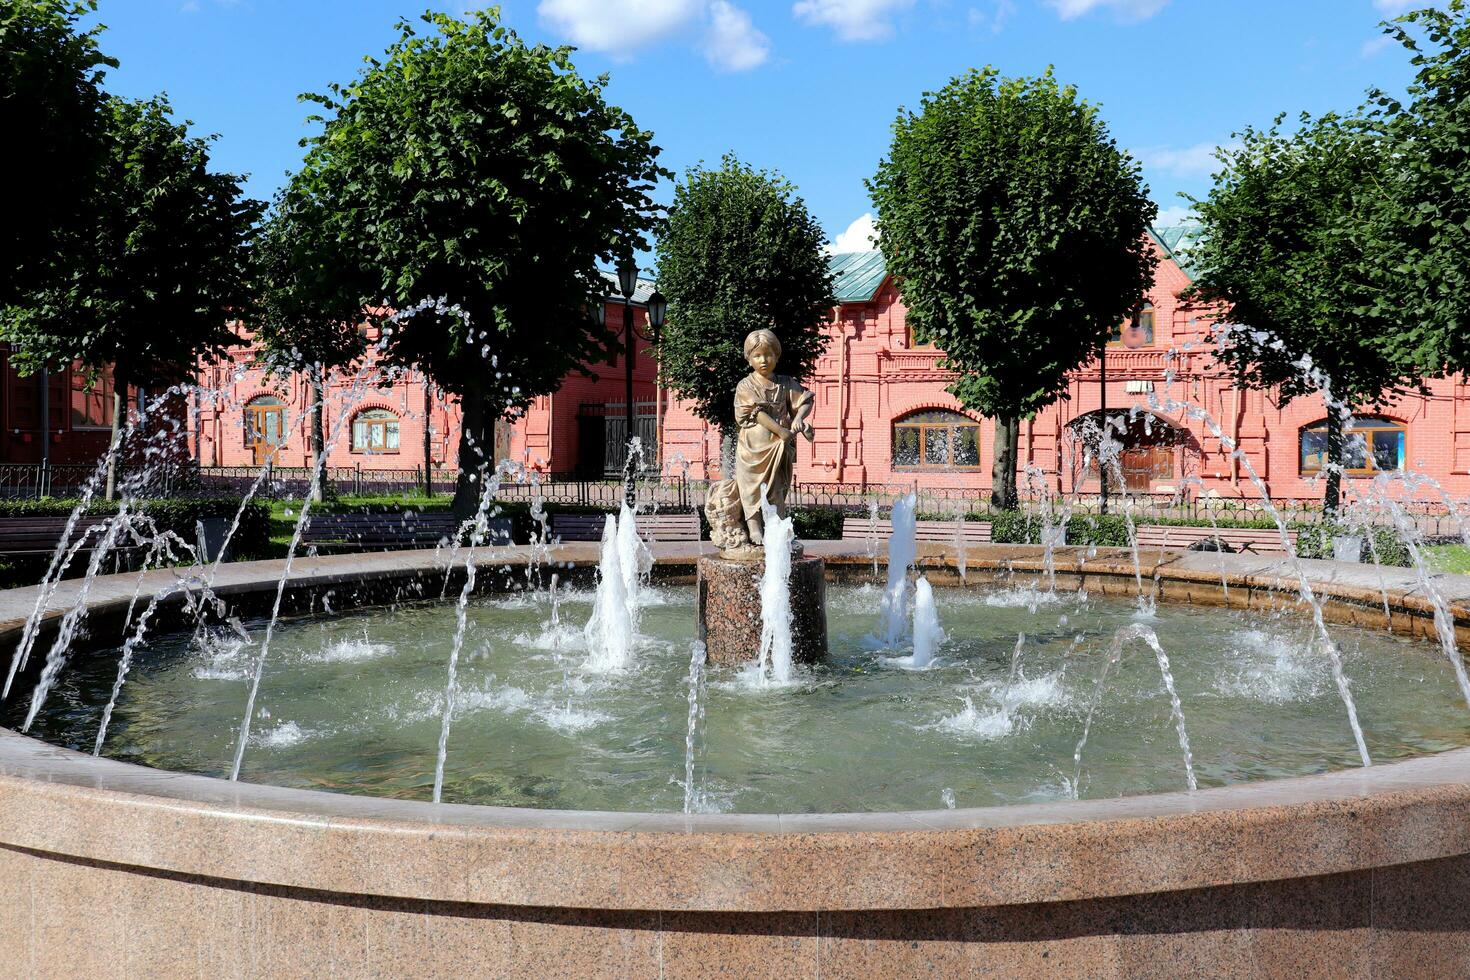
938	532
41	536
1252	539
651	527
387	532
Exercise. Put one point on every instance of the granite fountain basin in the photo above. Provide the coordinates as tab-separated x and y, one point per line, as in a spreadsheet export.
1338	874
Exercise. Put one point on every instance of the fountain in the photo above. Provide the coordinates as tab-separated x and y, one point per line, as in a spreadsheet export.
617	794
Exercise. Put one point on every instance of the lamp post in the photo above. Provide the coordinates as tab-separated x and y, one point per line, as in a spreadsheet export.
1102	466
657	308
627	283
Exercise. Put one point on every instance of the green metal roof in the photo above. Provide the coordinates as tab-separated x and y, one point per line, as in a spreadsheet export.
641	293
857	275
1178	241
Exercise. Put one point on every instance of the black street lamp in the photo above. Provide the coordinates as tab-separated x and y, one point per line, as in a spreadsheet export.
627	283
657	308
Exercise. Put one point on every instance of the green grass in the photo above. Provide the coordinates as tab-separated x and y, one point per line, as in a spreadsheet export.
1449	557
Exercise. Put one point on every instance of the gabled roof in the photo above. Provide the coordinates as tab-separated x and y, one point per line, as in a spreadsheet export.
857	275
1177	243
640	293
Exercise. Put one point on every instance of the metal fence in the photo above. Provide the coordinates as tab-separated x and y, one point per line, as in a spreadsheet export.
294	481
36	480
1433	516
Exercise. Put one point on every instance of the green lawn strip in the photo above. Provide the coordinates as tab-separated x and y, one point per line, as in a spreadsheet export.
1449	557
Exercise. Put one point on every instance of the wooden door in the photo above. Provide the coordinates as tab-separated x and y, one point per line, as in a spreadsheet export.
265	430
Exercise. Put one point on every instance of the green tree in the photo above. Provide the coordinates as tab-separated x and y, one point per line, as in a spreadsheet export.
468	166
51	107
1416	231
153	286
309	306
1282	251
740	252
1016	229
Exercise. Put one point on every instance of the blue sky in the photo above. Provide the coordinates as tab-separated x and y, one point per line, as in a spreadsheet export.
808	87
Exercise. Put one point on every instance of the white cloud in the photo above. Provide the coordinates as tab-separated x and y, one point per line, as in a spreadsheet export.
1126	9
1177	215
733	43
853	20
1180	161
992	20
860	236
618	26
1373	46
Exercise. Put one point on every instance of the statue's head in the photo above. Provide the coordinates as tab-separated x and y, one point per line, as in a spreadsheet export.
764	341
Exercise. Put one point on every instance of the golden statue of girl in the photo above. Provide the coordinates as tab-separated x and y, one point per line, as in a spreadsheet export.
770	411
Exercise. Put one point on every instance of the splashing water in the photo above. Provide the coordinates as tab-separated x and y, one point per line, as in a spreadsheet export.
871	535
1007	705
489	484
775	652
902	549
693	795
609	633
634	563
1125	634
927	633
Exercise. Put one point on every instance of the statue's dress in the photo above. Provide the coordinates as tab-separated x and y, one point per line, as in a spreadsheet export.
762	457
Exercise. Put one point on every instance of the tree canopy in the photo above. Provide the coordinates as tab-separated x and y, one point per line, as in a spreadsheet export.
466	165
51	106
740	252
1416	227
163	267
1283	251
1016	229
309	305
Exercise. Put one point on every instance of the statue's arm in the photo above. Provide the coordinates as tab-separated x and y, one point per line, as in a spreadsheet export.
802	401
773	427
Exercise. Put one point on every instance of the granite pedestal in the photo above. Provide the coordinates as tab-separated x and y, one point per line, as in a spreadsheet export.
730	609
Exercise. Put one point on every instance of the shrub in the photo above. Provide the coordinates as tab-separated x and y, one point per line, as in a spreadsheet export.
1315	541
817	523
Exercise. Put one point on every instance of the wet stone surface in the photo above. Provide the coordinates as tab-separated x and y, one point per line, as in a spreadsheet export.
730	609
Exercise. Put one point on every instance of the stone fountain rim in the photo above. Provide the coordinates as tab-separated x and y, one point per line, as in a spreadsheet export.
59	801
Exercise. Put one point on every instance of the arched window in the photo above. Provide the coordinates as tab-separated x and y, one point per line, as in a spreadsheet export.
265	427
936	440
1128	335
1374	446
375	430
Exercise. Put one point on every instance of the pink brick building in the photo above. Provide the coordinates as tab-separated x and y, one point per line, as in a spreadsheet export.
255	415
882	416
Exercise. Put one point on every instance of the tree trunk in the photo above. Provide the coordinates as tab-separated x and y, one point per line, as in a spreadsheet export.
428	445
1003	470
317	382
476	454
114	450
1331	498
